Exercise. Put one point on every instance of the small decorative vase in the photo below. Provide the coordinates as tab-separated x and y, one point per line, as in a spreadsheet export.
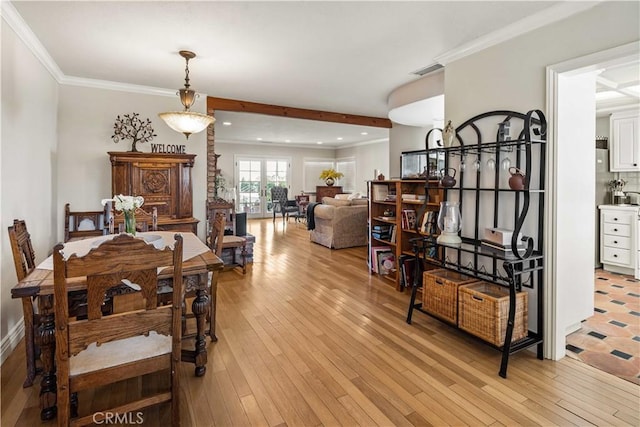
329	181
130	222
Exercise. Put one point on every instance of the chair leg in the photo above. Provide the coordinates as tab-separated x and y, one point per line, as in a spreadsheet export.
244	258
29	341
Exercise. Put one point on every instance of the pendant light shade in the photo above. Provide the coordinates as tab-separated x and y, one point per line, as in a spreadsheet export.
187	122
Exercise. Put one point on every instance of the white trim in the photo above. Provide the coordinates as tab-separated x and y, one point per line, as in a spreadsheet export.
555	339
11	16
550	217
544	17
11	340
123	87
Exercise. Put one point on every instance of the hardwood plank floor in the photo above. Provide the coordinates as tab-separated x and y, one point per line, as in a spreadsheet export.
307	338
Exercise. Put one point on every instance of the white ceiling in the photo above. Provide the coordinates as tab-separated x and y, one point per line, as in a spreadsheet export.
333	56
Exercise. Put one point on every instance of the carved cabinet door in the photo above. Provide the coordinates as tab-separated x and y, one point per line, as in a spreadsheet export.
155	182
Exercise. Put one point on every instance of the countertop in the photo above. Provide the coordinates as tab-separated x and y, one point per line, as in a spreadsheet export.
620	207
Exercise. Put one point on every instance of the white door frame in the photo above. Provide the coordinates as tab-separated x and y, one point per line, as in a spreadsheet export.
263	198
555	339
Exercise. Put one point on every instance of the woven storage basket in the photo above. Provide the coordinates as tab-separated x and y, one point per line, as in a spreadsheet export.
440	293
483	310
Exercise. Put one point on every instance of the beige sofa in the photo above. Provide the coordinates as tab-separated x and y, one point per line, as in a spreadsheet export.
340	223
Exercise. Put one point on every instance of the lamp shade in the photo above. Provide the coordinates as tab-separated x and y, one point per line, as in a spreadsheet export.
186	122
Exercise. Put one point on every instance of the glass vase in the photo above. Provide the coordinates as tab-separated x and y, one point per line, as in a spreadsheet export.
449	223
130	222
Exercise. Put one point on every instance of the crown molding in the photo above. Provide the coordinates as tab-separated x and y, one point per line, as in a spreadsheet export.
544	17
123	87
11	16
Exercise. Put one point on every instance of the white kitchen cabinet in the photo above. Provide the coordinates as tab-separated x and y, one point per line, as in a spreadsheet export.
625	141
619	238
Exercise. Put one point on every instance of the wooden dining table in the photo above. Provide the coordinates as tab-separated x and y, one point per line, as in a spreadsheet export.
199	262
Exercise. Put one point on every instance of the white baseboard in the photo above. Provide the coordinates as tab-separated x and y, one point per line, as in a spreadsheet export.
11	340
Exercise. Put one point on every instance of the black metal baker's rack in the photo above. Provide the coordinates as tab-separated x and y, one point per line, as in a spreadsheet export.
513	269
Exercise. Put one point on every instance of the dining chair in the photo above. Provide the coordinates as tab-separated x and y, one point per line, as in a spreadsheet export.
281	203
143	219
79	225
230	242
101	349
24	260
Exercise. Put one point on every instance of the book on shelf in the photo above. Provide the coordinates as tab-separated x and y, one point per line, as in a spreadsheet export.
407	196
386	262
407	267
429	223
375	250
381	236
381	227
392	239
409	219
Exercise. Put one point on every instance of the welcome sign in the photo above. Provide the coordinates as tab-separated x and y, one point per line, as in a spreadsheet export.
169	148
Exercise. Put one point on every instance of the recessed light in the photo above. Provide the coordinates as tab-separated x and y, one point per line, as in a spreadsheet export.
364	133
259	139
226	123
339	138
319	142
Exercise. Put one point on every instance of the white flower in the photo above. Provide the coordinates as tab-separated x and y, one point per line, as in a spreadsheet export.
125	203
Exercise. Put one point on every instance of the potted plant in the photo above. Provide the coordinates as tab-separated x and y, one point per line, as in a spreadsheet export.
330	175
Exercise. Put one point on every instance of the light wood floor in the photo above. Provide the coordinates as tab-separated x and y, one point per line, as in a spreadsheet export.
309	338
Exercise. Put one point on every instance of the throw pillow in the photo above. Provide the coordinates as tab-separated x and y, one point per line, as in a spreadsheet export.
331	201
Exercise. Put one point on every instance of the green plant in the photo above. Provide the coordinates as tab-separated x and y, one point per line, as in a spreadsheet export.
331	173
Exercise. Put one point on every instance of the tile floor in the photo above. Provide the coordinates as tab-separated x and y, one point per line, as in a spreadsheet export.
610	340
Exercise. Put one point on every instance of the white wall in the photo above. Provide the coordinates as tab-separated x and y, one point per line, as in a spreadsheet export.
368	157
511	75
403	138
297	155
29	155
85	126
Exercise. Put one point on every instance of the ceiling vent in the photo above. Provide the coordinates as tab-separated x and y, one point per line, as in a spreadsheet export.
428	69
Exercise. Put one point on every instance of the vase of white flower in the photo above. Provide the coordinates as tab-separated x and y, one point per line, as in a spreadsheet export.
130	222
128	206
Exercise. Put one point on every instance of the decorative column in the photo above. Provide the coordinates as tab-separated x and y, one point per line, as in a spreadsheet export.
212	160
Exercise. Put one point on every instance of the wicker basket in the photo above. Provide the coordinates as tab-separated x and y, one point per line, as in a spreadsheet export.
440	293
483	310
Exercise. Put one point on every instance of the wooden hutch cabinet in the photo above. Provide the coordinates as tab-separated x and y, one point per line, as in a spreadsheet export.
164	180
327	191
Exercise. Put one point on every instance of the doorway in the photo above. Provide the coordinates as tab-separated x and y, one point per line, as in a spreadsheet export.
567	301
255	176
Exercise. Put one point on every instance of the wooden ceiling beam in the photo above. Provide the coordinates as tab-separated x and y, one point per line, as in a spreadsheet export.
225	104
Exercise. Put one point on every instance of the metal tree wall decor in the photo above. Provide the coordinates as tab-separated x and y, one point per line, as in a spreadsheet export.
130	126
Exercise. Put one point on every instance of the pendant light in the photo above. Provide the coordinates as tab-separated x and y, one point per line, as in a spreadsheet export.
187	122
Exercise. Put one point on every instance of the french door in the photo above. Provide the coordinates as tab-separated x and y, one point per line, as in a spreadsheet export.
255	176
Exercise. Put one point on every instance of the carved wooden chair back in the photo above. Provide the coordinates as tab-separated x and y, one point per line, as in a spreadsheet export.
78	225
216	237
225	241
24	258
145	221
105	349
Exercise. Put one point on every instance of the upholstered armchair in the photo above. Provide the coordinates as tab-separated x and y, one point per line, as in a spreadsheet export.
281	203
